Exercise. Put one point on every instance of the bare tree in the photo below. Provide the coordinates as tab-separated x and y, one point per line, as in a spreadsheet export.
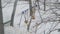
13	13
1	20
30	7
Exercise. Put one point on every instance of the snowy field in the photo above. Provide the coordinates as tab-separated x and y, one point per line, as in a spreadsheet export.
22	28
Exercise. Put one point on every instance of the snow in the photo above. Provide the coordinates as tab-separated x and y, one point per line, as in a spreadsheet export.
22	29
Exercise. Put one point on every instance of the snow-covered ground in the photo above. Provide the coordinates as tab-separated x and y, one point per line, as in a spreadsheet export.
22	29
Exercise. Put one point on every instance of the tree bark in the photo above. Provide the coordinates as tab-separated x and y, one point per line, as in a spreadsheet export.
1	20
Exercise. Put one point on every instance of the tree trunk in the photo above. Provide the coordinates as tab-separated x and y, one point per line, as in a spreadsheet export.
32	14
44	5
32	10
1	20
13	13
30	7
